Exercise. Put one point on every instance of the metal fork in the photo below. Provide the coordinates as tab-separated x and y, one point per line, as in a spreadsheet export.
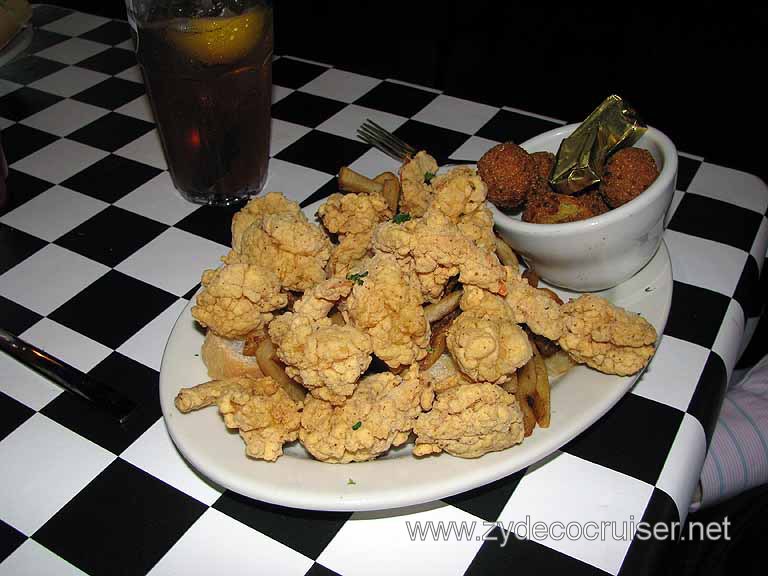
394	147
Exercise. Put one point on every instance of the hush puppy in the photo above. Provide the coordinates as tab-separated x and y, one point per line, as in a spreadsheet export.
510	174
552	208
627	173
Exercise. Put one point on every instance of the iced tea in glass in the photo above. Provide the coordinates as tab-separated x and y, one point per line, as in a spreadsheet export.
207	65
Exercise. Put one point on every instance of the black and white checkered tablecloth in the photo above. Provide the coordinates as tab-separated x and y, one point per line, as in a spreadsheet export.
99	254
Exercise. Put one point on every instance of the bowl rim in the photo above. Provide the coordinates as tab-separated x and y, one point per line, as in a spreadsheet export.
656	189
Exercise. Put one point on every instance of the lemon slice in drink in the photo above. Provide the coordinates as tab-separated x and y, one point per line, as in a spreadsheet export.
219	40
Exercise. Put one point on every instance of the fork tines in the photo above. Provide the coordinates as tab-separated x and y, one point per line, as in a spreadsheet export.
382	139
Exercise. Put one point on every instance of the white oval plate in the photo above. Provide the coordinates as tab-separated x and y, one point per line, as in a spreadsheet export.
579	398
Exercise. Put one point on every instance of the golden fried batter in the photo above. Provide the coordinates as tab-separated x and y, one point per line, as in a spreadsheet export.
606	337
269	203
468	421
237	299
533	307
416	191
552	208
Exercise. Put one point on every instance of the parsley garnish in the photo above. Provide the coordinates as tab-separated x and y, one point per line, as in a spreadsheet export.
357	278
430	349
350	482
428	177
402	217
357	425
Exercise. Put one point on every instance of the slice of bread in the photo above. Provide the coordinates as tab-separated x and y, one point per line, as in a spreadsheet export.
224	358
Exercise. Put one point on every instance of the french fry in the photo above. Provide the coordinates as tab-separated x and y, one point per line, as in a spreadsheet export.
442	307
526	388
252	342
265	357
541	398
391	192
511	385
437	347
506	255
351	181
559	363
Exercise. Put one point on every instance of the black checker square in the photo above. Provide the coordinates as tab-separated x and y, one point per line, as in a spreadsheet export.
696	314
211	222
21	187
524	557
128	377
508	126
46	13
111	61
488	501
748	292
305	531
29	69
10	539
708	397
112	32
624	439
111	235
305	109
16	246
441	142
320	570
12	414
191	294
648	555
111	131
111	93
20	141
24	102
716	220
293	73
330	187
43	39
111	178
396	98
16	318
686	170
131	304
322	151
121	505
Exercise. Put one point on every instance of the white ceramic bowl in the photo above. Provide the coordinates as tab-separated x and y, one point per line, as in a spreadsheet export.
603	251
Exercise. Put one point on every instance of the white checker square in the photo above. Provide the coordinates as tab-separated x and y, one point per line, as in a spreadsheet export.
759	249
673	374
384	536
72	51
48	278
5	123
729	338
132	74
473	148
374	162
127	45
139	108
59	160
6	87
65	117
340	85
600	495
677	197
66	344
346	122
191	255
283	134
34	489
412	85
146	346
53	213
241	552
147	149
33	559
76	24
295	181
25	385
158	199
456	114
720	182
69	81
155	453
534	115
279	92
687	453
705	263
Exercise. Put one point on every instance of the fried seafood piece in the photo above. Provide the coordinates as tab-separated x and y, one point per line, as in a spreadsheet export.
327	358
352	217
510	174
543	162
435	250
262	411
478	227
606	337
486	346
254	210
627	173
415	178
380	414
237	299
469	420
287	243
552	208
386	304
534	307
